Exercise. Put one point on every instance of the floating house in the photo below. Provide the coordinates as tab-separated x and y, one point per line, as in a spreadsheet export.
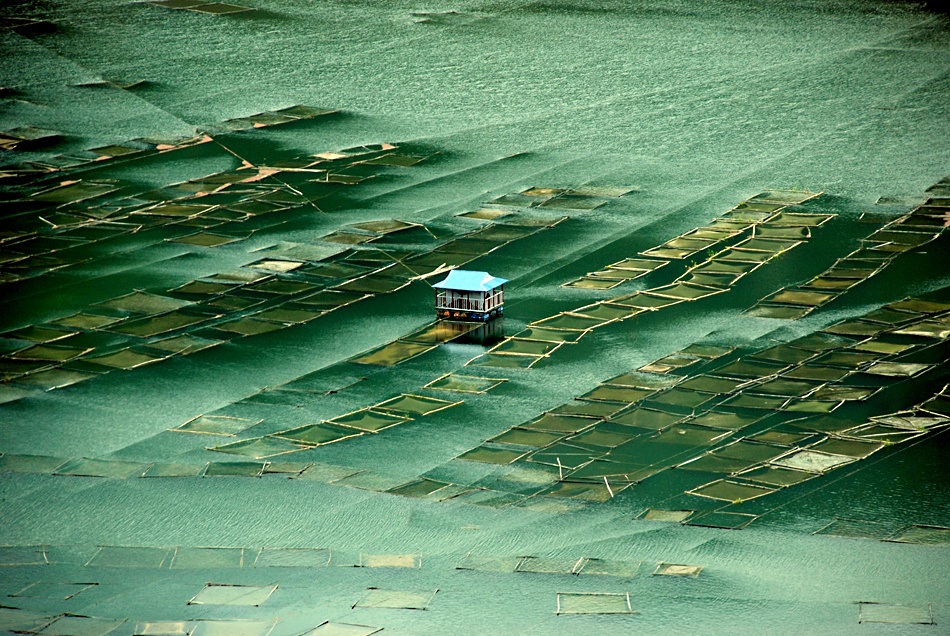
470	296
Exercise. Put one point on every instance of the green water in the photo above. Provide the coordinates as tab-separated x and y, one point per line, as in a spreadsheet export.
698	107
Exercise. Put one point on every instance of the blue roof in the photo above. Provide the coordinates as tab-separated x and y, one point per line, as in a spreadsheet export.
465	280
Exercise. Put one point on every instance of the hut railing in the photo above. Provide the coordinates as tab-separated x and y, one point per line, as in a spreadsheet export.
469	303
463	303
495	300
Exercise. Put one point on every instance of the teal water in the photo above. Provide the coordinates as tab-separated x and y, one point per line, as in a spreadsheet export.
696	107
